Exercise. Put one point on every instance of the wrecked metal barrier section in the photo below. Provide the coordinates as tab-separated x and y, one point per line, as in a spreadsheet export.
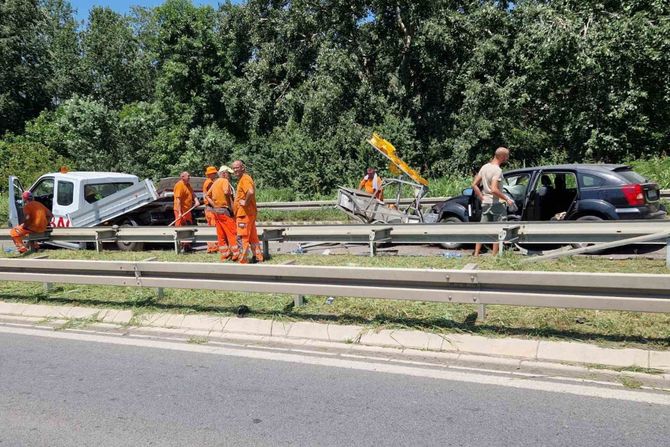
600	291
317	204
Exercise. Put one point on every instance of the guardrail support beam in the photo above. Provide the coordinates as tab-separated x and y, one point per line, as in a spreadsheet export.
481	311
378	235
270	234
104	235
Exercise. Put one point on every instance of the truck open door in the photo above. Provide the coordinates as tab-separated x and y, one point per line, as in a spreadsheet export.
15	201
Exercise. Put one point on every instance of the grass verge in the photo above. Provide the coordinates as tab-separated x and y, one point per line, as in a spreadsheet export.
608	328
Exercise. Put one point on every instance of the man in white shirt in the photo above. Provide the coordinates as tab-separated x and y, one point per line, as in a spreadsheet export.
493	200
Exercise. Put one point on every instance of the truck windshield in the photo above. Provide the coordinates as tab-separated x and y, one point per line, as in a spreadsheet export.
96	191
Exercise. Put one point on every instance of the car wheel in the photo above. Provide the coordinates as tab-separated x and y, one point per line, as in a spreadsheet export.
451	245
586	219
130	246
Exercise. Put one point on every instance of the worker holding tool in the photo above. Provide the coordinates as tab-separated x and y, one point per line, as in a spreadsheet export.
372	184
184	201
219	199
36	219
245	214
210	173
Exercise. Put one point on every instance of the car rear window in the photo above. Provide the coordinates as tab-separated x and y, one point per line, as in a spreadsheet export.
631	176
591	180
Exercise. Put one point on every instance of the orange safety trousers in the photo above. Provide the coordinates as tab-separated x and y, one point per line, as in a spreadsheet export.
246	230
226	237
17	234
186	220
210	217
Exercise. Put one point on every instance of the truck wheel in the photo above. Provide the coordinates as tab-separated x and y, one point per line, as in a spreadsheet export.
451	245
130	246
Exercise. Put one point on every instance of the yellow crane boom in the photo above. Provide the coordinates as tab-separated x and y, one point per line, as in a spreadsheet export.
397	165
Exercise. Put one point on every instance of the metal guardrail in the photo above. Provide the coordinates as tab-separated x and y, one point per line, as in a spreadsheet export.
317	204
553	232
611	291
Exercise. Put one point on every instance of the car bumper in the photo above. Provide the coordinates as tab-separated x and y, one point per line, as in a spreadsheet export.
640	213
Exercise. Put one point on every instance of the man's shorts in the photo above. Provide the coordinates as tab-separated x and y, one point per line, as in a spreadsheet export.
493	212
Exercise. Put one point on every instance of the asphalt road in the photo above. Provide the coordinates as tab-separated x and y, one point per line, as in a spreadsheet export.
57	392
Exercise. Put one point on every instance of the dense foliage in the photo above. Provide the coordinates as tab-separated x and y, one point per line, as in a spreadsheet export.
296	87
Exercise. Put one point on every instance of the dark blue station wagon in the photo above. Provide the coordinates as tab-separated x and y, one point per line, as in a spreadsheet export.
566	192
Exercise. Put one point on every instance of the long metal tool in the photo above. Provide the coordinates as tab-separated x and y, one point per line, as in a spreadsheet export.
610	291
187	211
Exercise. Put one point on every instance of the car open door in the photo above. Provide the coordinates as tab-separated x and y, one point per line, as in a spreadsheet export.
15	201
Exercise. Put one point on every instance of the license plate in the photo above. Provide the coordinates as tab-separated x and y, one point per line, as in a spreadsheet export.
652	194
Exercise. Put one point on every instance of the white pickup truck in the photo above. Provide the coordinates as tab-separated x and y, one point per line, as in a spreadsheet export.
88	199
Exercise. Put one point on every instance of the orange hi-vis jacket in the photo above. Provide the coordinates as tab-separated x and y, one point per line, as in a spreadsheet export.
206	185
183	192
37	217
243	186
219	193
370	185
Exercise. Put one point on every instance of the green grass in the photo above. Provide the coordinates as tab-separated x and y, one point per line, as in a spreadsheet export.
630	382
4	210
448	186
633	369
656	169
198	340
316	215
602	327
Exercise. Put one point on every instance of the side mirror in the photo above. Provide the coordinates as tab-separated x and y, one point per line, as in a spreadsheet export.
468	191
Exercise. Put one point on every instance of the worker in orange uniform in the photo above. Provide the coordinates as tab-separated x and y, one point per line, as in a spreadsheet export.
36	219
372	184
210	173
184	200
245	213
220	200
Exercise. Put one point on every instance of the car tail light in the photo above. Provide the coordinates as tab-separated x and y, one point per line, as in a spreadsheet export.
634	194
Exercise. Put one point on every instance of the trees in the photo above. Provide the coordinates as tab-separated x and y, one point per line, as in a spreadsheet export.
294	87
24	65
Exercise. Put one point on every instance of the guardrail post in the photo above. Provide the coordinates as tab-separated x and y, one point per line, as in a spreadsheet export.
481	311
378	235
299	300
270	234
105	235
160	293
507	234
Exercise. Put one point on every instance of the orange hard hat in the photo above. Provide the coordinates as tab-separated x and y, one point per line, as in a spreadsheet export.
210	170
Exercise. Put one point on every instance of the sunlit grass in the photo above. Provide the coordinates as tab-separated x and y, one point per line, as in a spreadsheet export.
603	327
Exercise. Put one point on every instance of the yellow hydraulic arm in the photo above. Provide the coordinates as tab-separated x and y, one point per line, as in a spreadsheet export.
397	165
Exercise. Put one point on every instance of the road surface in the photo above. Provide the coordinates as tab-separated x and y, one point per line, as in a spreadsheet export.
83	390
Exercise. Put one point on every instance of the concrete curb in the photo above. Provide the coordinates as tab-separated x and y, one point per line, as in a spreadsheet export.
325	333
